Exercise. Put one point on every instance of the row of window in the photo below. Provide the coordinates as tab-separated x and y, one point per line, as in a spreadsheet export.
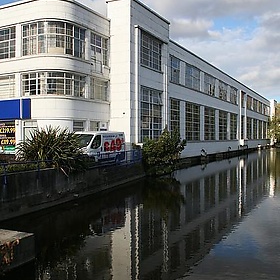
54	37
227	123
151	120
59	83
193	80
254	104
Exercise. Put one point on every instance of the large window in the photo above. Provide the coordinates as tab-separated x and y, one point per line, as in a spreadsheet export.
59	83
99	90
255	129
222	125
243	96
209	84
7	42
249	128
209	123
174	115
233	95
99	49
54	37
175	69
192	77
265	130
249	102
7	86
233	126
150	51
151	113
242	127
222	90
192	122
260	129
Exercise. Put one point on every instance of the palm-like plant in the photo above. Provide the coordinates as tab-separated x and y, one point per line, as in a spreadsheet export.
58	147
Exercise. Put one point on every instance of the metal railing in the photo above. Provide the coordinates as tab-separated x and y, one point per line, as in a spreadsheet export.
128	157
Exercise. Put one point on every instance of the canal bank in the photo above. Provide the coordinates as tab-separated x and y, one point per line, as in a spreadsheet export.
22	193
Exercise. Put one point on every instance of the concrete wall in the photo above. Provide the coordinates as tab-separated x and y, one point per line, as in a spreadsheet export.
26	192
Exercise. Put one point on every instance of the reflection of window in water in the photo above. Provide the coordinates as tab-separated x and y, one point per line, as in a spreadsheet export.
96	142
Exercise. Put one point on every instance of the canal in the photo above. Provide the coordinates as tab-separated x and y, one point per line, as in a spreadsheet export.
218	220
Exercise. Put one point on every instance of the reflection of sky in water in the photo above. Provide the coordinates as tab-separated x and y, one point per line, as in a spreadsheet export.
251	250
241	245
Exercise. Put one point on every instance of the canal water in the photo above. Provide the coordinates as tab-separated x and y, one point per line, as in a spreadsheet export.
218	220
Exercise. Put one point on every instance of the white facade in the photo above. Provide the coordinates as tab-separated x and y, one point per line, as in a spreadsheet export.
78	69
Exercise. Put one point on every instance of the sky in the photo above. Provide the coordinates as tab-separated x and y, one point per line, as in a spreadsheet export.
240	37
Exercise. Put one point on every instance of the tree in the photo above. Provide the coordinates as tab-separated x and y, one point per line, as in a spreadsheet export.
57	147
161	156
274	128
274	125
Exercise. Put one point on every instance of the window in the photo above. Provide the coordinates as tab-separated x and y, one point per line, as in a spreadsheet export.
175	69
8	42
54	37
59	83
174	115
94	125
7	86
192	77
233	95
209	123
260	129
264	130
255	129
249	102
255	105
99	50
150	51
192	122
249	128
151	113
99	90
28	128
243	96
222	90
209	84
233	126
242	127
78	125
222	125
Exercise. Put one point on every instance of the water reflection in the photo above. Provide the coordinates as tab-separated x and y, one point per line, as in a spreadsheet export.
155	229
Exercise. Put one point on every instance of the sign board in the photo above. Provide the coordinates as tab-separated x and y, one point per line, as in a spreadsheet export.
7	136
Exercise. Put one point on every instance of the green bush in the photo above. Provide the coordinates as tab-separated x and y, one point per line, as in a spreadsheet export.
162	155
57	147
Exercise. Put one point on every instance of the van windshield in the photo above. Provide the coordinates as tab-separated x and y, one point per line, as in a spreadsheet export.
84	139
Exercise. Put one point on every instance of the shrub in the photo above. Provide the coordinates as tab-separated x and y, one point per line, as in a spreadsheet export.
55	146
162	155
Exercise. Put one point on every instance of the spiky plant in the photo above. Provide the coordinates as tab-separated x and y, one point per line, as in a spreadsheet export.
54	145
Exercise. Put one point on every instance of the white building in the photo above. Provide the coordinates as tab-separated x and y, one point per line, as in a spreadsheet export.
63	64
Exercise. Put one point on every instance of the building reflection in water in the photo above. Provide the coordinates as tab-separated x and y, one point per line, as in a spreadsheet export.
216	197
162	229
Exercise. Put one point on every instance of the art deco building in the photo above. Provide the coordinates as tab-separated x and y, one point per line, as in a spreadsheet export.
63	64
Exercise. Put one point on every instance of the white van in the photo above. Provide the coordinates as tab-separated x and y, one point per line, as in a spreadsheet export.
102	145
